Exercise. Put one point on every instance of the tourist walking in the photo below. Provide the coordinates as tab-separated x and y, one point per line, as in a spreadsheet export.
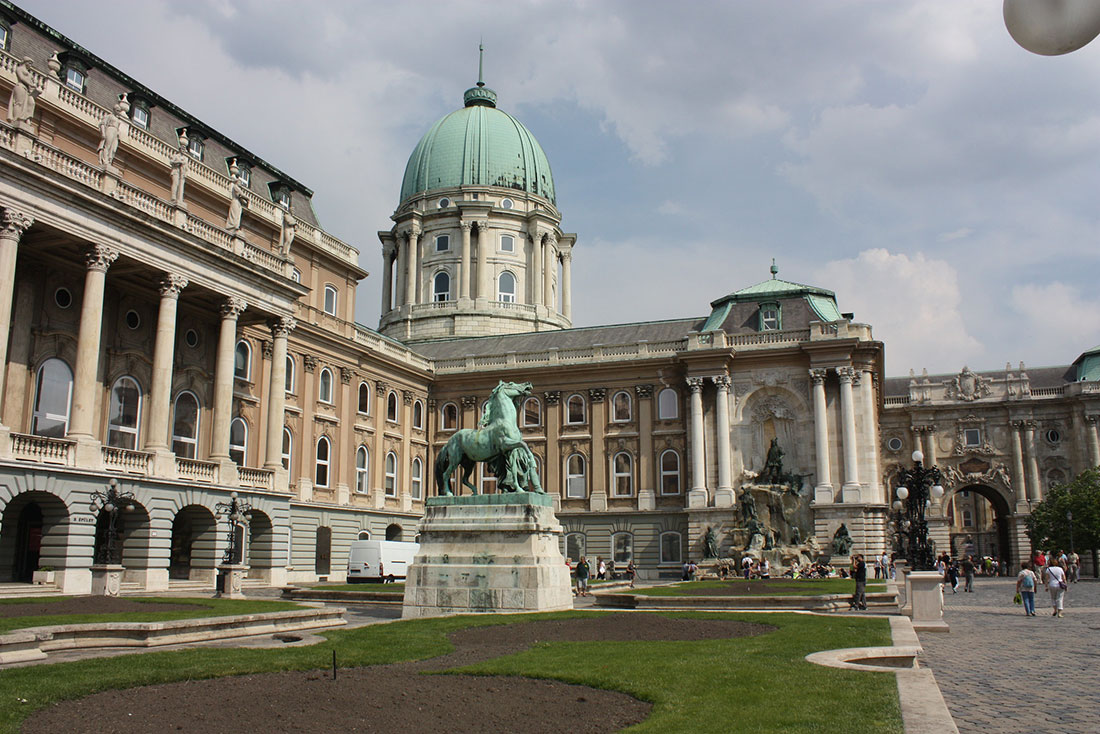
859	573
582	571
1074	567
1055	578
631	572
1025	587
601	568
968	573
951	576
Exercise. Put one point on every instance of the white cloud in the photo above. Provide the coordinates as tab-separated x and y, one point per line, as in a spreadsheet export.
913	304
1059	320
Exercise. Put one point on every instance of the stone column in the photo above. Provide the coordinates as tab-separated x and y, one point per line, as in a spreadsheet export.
98	258
550	255
697	496
387	283
848	435
647	485
164	348
1019	479
281	327
869	439
411	258
12	226
929	449
484	292
1035	487
1093	439
464	268
223	380
567	284
723	496
823	492
538	298
402	259
599	465
552	482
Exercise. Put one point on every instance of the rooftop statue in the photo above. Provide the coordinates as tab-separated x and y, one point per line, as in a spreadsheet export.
497	442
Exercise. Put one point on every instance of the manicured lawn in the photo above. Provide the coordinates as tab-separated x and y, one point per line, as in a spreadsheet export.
388	588
202	608
808	587
754	684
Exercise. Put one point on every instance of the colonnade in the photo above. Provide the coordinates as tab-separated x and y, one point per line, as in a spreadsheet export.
858	448
474	280
86	387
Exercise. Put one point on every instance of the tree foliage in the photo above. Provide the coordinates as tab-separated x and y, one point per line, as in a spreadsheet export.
1048	525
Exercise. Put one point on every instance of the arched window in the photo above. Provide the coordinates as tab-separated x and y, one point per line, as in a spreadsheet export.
441	287
288	382
668	404
507	243
288	448
418	415
238	440
364	398
620	407
52	400
669	469
574	409
532	412
576	477
416	481
622	475
296	275
622	548
670	548
125	415
242	360
324	386
363	535
449	417
185	425
362	470
506	288
391	474
320	474
330	300
391	407
575	546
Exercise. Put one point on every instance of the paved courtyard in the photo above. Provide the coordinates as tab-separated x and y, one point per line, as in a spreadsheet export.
1002	672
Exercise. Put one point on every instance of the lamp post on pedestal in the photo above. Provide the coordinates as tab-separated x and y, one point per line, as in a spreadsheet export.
917	487
232	569
107	570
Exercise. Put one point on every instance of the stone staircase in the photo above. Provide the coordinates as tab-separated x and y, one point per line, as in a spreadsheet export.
19	591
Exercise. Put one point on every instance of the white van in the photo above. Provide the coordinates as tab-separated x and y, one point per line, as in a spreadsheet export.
380	560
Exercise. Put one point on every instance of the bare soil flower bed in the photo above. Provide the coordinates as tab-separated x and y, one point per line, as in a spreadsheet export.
388	698
88	605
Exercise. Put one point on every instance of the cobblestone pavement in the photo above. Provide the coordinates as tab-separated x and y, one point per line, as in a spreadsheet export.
1002	672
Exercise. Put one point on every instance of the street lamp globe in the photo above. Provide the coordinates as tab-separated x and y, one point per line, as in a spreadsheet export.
937	491
903	493
1052	27
918	456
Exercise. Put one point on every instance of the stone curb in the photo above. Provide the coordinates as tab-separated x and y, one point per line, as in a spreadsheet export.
34	643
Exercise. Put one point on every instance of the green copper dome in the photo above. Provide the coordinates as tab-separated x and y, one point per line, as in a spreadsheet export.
478	145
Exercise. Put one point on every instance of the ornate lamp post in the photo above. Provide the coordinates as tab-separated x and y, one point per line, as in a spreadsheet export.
107	571
916	489
236	511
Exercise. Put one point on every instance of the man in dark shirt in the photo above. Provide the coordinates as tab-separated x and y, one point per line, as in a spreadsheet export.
968	570
859	573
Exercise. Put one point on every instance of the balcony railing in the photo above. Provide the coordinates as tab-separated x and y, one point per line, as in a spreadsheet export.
131	462
43	449
200	471
257	478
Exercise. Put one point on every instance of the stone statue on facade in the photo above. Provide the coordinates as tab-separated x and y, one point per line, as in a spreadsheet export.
796	536
756	534
773	466
842	541
710	544
497	442
177	159
748	506
108	137
238	201
23	94
287	228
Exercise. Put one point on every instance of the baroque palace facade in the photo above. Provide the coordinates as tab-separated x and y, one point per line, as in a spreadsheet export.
173	317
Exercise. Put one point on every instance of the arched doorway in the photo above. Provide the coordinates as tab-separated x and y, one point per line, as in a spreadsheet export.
322	563
393	532
261	545
194	537
32	535
979	523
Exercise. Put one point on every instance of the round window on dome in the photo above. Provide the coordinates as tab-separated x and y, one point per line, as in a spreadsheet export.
444	203
507	203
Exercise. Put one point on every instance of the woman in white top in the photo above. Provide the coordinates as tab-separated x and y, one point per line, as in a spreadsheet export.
1055	578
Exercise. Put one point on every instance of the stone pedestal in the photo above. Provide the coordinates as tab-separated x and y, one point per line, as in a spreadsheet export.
698	499
647	500
926	592
488	553
724	497
901	579
230	577
106	579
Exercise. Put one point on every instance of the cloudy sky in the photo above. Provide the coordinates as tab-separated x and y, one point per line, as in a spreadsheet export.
907	155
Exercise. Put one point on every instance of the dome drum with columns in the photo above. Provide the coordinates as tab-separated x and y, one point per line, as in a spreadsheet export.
477	248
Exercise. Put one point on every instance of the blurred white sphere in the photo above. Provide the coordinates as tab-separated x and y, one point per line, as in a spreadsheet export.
1052	27
918	456
903	493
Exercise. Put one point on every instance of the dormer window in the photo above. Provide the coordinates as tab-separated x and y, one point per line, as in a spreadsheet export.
139	114
770	317
196	146
5	34
280	194
75	78
244	170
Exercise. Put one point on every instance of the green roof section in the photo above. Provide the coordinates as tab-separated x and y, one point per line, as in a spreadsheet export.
824	307
1088	365
822	302
478	145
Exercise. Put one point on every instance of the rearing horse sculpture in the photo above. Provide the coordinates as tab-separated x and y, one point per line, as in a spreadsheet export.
497	441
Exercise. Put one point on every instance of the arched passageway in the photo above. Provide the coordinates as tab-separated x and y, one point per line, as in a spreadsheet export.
33	534
980	523
132	549
393	532
260	556
194	537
